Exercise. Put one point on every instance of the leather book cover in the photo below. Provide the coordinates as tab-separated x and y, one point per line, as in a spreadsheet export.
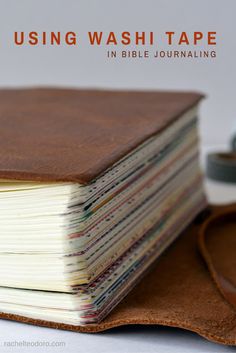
75	135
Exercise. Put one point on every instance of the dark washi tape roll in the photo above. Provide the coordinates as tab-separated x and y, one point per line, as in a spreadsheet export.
233	143
222	166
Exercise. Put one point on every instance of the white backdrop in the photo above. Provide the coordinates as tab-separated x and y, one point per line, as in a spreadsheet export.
88	66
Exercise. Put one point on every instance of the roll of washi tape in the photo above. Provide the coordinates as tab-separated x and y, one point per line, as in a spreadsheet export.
222	166
233	143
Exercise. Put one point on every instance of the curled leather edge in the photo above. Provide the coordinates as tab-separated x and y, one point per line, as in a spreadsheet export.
224	285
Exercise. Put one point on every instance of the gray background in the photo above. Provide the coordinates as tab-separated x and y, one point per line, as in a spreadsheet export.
87	66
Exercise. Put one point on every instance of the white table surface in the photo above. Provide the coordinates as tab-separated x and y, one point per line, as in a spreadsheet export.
133	339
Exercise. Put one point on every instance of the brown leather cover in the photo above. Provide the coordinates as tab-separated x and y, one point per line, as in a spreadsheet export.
71	135
74	135
178	292
218	246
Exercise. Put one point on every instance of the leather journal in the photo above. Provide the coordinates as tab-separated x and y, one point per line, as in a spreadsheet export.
95	185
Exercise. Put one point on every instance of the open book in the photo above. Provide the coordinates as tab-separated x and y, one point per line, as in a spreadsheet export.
94	185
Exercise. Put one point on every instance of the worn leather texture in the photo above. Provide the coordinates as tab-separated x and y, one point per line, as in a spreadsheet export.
217	246
75	135
179	290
